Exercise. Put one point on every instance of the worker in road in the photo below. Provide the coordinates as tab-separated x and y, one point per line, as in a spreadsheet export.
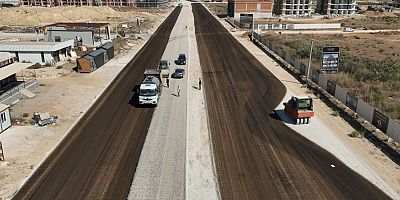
167	82
178	90
199	83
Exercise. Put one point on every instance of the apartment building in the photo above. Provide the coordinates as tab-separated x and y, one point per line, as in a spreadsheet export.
336	7
138	3
293	7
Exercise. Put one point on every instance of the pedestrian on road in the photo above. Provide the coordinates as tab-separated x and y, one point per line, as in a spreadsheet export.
179	90
168	82
199	83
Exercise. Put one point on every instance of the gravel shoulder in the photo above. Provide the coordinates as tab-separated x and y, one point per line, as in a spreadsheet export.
368	160
160	173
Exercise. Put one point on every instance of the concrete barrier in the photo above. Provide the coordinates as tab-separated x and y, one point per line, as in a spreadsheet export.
365	110
340	94
394	130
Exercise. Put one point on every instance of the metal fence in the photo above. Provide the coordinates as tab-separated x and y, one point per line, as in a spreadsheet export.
376	117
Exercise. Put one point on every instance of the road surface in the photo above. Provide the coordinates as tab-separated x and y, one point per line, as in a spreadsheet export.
256	155
98	158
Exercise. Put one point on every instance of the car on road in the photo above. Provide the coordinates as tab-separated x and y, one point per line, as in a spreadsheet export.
181	59
178	73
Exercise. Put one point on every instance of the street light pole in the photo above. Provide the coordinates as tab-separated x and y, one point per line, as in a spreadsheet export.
309	63
252	29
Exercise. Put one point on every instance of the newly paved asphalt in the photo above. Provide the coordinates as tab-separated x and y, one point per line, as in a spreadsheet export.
256	155
98	159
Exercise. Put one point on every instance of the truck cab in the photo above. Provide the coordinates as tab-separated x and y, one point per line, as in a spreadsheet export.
164	67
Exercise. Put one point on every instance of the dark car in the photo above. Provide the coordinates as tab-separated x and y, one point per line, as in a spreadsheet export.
181	59
178	73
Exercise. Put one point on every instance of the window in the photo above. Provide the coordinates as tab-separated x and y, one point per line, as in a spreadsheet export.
42	54
57	39
3	117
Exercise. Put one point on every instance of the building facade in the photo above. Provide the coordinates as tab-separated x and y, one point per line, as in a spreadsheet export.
44	53
137	3
256	8
5	117
293	7
337	7
87	34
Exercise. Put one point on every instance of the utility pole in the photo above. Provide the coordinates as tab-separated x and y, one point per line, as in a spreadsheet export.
309	63
252	28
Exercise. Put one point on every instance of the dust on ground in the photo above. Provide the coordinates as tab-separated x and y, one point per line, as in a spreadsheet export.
24	19
64	93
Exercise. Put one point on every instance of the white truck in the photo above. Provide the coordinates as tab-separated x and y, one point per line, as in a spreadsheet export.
164	67
150	89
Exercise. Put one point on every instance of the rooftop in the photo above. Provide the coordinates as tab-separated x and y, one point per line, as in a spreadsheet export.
34	46
79	25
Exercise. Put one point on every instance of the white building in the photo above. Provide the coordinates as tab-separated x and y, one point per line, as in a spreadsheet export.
5	117
293	7
44	53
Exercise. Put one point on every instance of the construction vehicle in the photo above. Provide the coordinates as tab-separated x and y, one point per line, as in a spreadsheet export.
150	89
299	108
164	67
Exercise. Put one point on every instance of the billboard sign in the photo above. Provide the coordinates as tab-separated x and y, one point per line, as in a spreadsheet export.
380	120
246	20
330	59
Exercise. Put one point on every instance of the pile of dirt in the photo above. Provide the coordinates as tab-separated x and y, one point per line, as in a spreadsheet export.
31	16
379	14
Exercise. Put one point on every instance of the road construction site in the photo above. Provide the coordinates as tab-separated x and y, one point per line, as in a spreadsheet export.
227	140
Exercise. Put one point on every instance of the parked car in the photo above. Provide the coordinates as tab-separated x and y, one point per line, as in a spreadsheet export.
348	29
181	59
178	73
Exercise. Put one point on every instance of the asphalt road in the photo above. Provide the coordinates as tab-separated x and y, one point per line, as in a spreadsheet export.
256	155
98	158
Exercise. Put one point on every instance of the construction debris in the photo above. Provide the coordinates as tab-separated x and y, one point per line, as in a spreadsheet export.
42	119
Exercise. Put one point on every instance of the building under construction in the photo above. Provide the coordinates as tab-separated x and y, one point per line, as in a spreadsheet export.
337	7
256	8
136	3
293	7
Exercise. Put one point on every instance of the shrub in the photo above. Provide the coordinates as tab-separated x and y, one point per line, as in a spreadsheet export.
335	113
357	134
35	66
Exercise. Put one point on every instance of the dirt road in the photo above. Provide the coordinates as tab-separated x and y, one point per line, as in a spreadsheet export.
257	157
98	158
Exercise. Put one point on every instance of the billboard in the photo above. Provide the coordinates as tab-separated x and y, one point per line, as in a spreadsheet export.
380	120
246	20
330	59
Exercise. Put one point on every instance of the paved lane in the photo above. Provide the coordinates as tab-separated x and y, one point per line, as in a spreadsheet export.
257	157
98	158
